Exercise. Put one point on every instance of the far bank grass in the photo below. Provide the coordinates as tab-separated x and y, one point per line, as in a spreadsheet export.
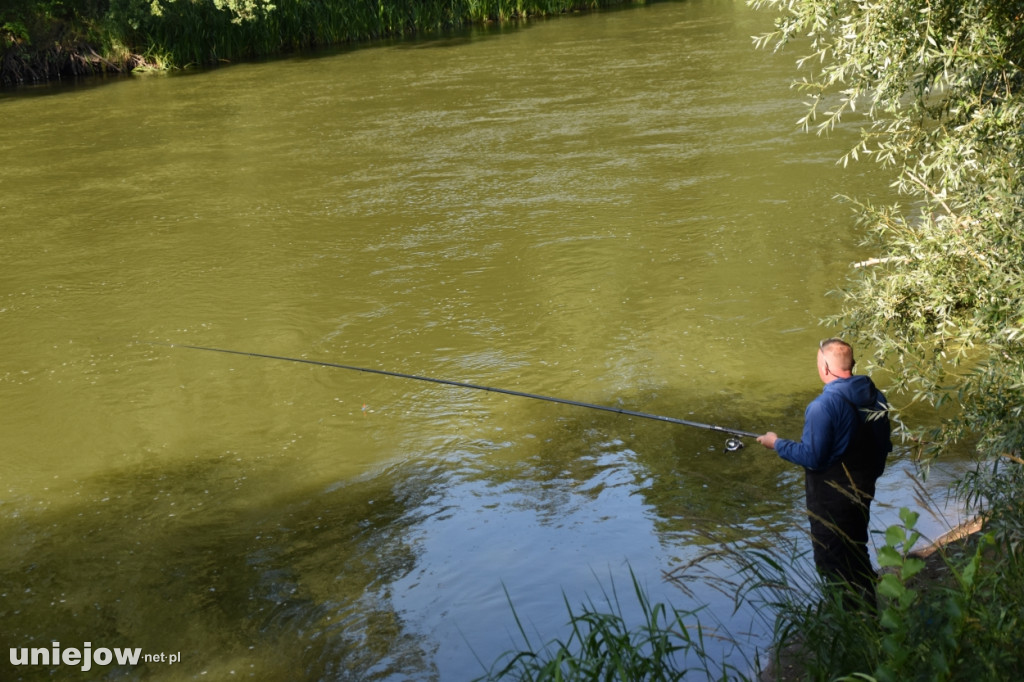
44	40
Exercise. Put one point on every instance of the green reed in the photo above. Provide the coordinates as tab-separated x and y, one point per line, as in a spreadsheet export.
669	644
43	39
197	32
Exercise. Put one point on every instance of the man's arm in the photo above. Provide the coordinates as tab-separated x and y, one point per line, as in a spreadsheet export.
814	448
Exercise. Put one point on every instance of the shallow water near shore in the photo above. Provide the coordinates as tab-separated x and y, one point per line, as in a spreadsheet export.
614	208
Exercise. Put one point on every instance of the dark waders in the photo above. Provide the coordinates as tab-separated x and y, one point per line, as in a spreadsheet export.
839	505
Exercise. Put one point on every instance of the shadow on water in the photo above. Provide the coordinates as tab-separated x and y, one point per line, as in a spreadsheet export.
168	561
176	559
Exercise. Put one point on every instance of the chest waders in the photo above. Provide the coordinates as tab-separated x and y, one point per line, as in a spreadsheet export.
839	506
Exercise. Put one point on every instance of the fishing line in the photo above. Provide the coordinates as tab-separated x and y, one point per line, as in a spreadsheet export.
732	444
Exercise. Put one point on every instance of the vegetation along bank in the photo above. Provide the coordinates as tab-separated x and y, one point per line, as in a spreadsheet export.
44	40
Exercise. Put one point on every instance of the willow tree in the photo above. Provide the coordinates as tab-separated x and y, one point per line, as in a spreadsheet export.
941	86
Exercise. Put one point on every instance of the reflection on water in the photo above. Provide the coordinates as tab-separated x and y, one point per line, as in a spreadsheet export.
612	208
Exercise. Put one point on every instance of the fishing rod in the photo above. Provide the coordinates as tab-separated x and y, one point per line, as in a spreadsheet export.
732	444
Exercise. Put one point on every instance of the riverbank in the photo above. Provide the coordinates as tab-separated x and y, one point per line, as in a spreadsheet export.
44	40
962	562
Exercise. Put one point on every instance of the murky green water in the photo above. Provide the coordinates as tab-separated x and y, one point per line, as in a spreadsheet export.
614	208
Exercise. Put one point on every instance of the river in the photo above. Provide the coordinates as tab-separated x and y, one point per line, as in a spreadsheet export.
613	207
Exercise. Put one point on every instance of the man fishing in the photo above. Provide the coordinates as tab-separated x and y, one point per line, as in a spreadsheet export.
843	450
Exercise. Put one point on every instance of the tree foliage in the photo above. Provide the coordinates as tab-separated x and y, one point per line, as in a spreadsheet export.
941	83
239	10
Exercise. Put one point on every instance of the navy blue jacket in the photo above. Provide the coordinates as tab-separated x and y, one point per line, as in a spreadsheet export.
830	422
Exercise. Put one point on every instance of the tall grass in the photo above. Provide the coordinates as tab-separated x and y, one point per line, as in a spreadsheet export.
669	644
44	39
198	32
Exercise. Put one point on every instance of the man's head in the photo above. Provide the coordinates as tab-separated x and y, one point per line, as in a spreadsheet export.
835	360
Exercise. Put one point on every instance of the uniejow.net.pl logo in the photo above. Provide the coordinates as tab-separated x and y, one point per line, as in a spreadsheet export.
86	658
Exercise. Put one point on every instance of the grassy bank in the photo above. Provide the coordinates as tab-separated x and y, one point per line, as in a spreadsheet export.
43	40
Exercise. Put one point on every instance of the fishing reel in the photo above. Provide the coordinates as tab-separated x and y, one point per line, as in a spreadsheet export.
733	445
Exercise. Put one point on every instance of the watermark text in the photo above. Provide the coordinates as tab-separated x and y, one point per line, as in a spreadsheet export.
87	657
